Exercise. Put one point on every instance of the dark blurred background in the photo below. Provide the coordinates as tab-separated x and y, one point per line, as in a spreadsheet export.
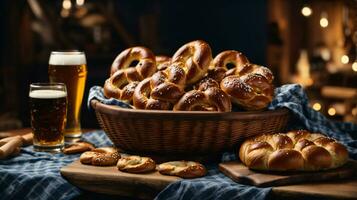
312	43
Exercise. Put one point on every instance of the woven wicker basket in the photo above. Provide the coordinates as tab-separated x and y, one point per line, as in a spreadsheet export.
171	133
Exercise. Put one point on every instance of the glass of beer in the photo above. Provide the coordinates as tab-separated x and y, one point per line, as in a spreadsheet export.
48	107
69	67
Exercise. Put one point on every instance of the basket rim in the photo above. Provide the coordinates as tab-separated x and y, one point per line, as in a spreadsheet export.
140	113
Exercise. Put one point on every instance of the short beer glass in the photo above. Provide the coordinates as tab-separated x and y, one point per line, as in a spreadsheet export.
69	67
48	107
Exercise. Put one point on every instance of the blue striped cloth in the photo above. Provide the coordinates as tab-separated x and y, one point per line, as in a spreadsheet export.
96	92
34	175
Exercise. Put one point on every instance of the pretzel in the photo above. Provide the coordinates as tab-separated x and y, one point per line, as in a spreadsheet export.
196	57
163	90
145	67
162	62
251	92
105	156
219	67
168	85
183	169
118	87
136	164
188	65
142	99
78	147
207	97
224	59
124	78
296	150
249	86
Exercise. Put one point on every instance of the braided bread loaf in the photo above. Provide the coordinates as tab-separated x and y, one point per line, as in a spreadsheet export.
295	150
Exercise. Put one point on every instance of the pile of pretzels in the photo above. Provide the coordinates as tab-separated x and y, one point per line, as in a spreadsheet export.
189	81
110	156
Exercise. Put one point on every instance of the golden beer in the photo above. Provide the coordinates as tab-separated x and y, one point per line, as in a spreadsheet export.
70	68
48	106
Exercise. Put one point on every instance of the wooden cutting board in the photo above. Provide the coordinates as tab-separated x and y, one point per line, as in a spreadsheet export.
109	180
241	174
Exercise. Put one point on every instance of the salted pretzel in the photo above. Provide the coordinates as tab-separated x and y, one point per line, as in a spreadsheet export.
124	78
249	85
169	84
136	164
164	89
196	57
143	100
240	65
118	87
183	169
162	62
295	150
105	156
206	97
188	65
251	92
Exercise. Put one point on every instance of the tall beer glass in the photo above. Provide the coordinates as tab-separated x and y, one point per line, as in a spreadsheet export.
48	106
70	67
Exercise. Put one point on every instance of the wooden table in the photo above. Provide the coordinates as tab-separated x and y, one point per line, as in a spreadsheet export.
346	189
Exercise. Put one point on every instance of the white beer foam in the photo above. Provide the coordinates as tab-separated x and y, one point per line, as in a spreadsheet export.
47	94
67	59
